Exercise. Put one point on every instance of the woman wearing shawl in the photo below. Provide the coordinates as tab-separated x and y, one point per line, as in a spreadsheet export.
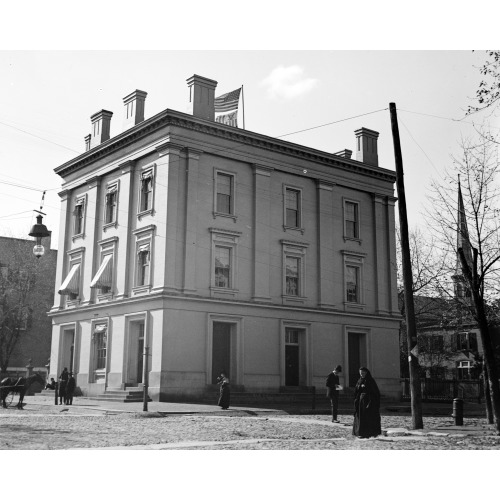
366	406
223	381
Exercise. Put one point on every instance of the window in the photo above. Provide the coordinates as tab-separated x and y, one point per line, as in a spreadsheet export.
465	370
467	341
224	262
143	264
100	338
146	193
111	204
79	217
352	284
351	220
291	336
222	267
144	259
224	199
353	279
430	343
292	208
294	270
104	276
292	276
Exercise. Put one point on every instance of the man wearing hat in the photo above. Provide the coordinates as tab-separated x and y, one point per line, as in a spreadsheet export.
332	392
70	389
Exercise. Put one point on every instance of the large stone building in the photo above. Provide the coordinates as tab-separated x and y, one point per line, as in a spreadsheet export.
222	249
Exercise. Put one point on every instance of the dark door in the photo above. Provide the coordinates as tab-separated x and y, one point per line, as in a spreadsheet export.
140	353
354	358
221	350
292	365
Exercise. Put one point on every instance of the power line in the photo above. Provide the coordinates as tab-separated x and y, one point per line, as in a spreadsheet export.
38	137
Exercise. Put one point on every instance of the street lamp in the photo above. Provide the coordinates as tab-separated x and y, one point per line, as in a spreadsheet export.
39	231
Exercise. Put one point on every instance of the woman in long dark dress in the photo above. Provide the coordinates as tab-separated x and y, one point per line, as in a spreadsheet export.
225	392
366	406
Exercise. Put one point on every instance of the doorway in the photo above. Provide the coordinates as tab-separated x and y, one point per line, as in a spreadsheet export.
356	355
136	353
221	350
68	350
292	357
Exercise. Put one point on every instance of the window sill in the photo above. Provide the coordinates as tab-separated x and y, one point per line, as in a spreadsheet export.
142	214
348	238
294	298
109	225
291	228
223	291
354	305
104	297
77	236
138	290
227	216
72	303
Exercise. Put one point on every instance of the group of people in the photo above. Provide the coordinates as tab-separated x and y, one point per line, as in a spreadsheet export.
366	402
66	387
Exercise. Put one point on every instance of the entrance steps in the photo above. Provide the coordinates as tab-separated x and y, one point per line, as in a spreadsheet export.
129	395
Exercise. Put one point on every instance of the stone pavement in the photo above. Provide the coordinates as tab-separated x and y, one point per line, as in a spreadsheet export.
86	406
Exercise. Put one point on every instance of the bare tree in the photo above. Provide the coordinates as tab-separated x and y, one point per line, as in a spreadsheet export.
26	293
488	93
473	228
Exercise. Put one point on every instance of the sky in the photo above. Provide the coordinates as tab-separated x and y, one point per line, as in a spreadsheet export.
47	98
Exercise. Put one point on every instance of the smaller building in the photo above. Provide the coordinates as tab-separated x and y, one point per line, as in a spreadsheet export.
26	295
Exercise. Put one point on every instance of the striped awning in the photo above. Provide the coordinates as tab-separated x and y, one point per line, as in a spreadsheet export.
103	277
71	285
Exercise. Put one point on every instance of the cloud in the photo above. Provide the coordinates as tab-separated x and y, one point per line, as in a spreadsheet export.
288	82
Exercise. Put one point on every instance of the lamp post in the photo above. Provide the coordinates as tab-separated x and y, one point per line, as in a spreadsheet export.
39	231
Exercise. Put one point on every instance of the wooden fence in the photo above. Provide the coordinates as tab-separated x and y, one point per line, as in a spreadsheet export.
446	390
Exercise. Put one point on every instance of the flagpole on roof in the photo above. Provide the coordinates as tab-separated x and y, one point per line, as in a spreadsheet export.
243	105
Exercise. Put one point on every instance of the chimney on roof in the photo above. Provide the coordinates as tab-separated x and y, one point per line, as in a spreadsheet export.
366	146
345	153
101	123
134	108
87	142
201	97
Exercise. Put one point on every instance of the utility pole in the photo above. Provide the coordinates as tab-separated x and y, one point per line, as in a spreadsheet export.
411	329
146	379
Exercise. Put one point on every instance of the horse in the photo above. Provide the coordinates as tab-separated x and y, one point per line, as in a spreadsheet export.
19	386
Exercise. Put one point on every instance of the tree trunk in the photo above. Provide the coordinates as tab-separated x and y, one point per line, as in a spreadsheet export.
487	395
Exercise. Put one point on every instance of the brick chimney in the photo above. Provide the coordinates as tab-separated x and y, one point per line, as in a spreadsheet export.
366	146
345	153
201	97
134	108
101	122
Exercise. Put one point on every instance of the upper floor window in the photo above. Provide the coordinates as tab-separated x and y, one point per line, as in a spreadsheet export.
466	341
222	267
292	208
352	284
292	276
224	203
79	217
147	191
294	269
111	204
143	265
351	219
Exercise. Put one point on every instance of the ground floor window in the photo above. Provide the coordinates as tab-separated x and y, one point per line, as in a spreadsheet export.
100	346
466	370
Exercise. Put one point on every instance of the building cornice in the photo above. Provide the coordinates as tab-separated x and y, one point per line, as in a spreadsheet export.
170	117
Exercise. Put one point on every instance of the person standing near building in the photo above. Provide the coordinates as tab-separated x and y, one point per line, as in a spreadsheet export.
332	391
366	406
70	389
225	393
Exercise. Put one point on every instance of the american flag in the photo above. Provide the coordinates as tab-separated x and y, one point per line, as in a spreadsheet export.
227	102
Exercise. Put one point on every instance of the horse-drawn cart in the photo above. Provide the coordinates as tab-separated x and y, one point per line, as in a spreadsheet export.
10	386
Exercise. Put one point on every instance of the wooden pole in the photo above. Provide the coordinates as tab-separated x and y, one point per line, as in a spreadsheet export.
145	395
411	329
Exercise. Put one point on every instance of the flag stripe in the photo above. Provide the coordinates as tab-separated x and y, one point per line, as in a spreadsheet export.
227	102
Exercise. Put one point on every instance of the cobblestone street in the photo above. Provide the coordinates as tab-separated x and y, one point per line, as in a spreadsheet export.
55	428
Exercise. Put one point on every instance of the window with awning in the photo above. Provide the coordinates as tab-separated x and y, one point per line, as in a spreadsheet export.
103	278
71	285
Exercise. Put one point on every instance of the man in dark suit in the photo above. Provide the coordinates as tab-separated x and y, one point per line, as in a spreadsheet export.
332	392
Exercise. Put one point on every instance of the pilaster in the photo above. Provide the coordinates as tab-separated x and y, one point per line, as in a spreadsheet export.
261	232
381	261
